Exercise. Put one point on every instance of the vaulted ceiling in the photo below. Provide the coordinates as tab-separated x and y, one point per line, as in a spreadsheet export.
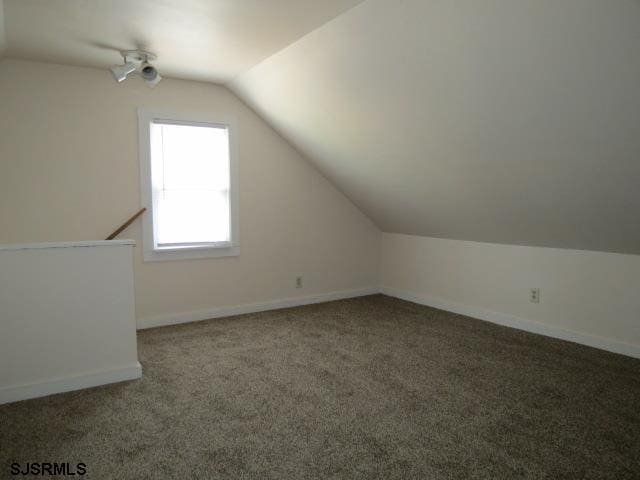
504	121
490	120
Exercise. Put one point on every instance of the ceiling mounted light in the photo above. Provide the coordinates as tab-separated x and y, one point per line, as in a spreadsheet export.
137	60
149	74
120	72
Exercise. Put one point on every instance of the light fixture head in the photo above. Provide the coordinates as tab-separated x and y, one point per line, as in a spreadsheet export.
120	72
137	60
149	74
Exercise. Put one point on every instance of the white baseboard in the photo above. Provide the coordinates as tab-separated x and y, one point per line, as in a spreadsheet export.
67	384
474	312
185	317
516	322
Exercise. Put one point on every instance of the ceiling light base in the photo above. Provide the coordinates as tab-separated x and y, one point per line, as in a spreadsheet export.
138	55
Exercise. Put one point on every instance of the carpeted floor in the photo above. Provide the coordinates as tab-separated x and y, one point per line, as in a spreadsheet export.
357	389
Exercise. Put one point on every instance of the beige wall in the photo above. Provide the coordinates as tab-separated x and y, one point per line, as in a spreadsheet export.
69	171
589	297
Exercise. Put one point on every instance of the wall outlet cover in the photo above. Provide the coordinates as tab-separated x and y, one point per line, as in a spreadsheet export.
534	295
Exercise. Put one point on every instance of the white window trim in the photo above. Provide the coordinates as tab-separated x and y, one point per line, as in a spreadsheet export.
227	249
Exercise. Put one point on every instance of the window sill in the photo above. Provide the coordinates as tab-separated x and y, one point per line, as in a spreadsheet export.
188	253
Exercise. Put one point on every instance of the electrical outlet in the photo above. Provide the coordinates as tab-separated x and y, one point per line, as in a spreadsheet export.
299	281
534	295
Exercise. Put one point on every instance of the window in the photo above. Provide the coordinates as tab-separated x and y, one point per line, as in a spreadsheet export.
189	185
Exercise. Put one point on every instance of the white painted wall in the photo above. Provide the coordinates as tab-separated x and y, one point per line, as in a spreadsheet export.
69	171
67	317
588	297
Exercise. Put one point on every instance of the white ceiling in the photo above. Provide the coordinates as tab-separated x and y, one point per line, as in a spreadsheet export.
494	120
490	120
211	40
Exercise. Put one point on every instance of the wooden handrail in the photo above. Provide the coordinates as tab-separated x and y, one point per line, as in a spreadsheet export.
126	224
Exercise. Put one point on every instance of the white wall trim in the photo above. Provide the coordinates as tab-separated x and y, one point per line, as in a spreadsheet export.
459	308
151	252
516	322
195	316
15	393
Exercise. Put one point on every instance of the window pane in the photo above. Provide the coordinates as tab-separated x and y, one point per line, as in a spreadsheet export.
192	217
190	179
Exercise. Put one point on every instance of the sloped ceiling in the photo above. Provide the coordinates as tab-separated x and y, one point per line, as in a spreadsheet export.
210	40
491	120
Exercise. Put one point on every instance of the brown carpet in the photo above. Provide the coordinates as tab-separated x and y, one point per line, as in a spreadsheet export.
356	389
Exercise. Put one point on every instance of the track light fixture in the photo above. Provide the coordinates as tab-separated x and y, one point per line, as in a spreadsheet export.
120	72
149	74
137	61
